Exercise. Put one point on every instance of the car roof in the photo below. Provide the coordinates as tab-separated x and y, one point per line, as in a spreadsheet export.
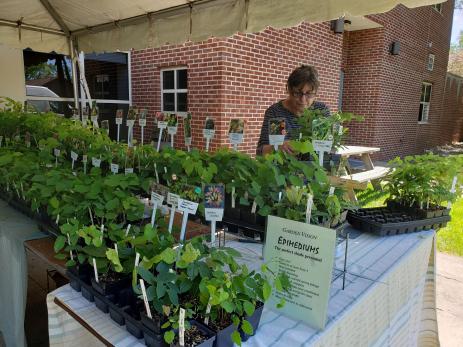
40	91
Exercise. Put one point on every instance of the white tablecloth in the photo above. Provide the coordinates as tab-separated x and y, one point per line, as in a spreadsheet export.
389	300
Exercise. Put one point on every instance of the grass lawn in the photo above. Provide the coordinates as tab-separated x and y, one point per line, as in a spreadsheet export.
449	239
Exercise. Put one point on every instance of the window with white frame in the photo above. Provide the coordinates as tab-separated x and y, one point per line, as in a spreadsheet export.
426	90
174	90
437	7
431	58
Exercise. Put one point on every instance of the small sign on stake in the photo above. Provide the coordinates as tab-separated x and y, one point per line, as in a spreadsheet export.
214	204
187	130
209	132
277	132
162	124
236	132
172	121
172	200
119	116
142	123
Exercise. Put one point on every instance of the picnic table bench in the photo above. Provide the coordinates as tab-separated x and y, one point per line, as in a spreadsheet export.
350	178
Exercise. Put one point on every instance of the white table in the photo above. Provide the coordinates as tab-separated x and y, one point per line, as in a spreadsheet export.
389	302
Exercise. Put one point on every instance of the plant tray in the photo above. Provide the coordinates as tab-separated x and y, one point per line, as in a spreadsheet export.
384	221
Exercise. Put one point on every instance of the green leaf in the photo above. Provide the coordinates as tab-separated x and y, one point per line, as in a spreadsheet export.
113	257
170	335
146	274
278	284
160	290
60	256
236	337
247	327
227	306
266	290
53	202
248	308
190	254
59	243
149	232
70	263
281	303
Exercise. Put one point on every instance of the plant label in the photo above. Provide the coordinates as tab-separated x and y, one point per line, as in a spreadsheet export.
130	123
157	199
233	196
156	172
277	132
56	152
213	214
84	158
188	141
208	133
254	207
96	162
172	130
119	121
162	125
186	206
208	311
128	170
95	270
214	201
137	259
308	210
308	252
74	155
173	199
181	327
235	138
94	119
114	168
331	192
145	298
128	229
322	145
276	140
142	122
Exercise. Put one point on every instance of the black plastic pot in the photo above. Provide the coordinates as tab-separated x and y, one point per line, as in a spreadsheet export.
107	288
132	320
101	302
251	218
223	337
87	292
229	212
254	320
211	337
152	325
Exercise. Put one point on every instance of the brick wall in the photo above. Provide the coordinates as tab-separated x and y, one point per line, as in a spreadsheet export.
392	83
237	77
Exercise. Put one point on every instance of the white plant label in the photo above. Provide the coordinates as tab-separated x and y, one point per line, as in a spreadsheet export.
145	298
213	214
208	133
279	196
114	168
322	145
142	122
74	155
236	138
128	229
96	162
181	327
56	152
208	310
254	207
157	199
172	199
116	249
119	121
233	196
128	170
188	141
162	125
156	172
331	192
137	259
340	130
187	206
95	270
308	211
84	158
276	140
130	123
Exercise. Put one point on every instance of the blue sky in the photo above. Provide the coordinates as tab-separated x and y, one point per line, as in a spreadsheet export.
457	24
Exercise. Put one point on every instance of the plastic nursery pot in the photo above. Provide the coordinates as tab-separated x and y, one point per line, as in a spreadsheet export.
101	302
132	319
251	218
87	292
223	336
254	320
209	336
110	284
78	274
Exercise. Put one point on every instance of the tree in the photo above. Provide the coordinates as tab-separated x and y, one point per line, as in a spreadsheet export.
41	70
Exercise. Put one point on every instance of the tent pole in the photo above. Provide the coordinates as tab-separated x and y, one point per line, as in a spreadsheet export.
75	79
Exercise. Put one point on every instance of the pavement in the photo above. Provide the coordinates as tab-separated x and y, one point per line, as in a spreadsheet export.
450	300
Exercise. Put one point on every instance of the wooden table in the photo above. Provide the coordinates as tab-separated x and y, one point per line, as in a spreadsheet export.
43	248
350	179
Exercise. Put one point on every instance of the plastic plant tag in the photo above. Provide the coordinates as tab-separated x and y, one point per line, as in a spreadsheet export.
187	130
128	229
157	199
119	116
137	259
156	172
105	126
236	132
74	155
95	270
277	132
56	152
116	249
254	207
214	201
208	310
145	298
96	162
181	327
208	131
172	199
114	168
142	117
233	196
128	170
187	206
308	211
322	145
331	192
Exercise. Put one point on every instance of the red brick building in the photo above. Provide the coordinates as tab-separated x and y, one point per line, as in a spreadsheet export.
240	76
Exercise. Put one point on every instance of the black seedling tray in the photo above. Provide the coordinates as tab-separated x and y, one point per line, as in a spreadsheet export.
384	221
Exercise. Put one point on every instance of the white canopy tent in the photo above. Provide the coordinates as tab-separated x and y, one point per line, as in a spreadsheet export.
109	25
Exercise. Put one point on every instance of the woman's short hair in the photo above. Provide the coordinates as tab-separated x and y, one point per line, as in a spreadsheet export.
304	74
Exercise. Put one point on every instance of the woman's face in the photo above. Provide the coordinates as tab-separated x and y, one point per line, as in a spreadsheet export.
301	97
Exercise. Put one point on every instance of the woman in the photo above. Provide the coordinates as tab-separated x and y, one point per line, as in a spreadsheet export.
302	87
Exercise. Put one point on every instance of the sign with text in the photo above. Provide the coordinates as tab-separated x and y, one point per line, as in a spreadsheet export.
305	252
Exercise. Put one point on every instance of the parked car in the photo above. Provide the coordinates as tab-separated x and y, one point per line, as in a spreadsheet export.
42	105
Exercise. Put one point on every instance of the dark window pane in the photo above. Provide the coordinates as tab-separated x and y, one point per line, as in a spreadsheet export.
182	102
182	79
420	115
428	93
168	79
169	101
423	92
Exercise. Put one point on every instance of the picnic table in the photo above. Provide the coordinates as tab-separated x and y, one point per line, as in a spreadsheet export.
350	178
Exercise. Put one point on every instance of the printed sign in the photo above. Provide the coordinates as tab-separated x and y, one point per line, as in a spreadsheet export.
157	199
114	168
187	206
172	199
130	123
322	146
236	131
96	162
56	152
214	201
74	155
128	170
305	253
142	117
277	131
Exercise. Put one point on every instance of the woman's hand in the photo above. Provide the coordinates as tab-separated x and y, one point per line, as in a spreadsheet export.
286	147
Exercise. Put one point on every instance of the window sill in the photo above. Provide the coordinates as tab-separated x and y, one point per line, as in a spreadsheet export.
423	122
